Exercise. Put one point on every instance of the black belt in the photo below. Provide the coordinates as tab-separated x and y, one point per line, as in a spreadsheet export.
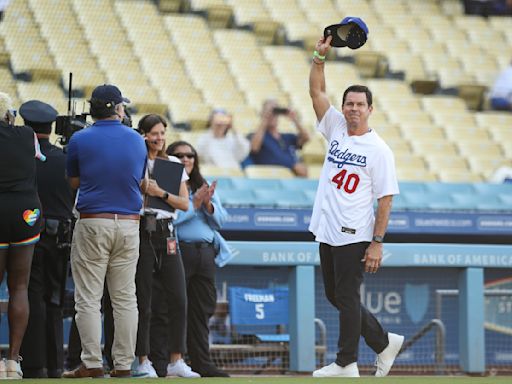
198	244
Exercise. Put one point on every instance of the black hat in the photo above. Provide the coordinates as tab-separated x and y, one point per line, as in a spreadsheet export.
350	32
110	94
38	115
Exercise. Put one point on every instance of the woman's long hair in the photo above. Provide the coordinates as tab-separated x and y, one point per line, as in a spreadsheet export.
146	124
195	179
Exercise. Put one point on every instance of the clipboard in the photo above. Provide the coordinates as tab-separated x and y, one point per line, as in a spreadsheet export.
168	176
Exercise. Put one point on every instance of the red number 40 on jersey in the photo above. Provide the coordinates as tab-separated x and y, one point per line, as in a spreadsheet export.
349	184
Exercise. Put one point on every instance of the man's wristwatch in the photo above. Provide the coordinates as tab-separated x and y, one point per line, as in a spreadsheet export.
165	196
378	239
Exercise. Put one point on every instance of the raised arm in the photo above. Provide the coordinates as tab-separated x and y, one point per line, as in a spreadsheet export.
317	79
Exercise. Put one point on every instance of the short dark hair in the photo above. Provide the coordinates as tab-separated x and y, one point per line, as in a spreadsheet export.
99	109
359	89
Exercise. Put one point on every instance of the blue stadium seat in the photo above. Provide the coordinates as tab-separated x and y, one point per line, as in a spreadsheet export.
252	184
411	186
259	311
506	199
439	188
399	202
281	198
425	201
222	182
299	184
237	198
488	188
475	201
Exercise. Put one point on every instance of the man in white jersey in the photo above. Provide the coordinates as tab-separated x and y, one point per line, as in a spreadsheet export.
358	168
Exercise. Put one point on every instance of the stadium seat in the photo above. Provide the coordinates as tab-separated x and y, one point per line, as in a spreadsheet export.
244	184
425	201
450	188
209	170
259	323
299	184
458	175
237	198
281	198
268	171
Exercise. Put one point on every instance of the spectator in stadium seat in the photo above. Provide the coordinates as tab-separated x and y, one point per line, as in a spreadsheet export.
271	147
107	161
222	145
158	262
3	6
20	225
501	93
201	247
488	7
359	168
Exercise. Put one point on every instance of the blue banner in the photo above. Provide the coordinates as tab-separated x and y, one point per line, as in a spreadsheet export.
297	220
283	253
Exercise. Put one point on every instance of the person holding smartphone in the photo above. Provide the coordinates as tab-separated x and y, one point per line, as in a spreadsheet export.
271	147
222	145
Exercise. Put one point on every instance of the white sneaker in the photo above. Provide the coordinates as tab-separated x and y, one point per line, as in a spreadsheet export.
3	373
334	370
13	370
181	369
386	358
146	369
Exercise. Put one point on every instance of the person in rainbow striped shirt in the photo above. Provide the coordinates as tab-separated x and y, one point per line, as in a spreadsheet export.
20	222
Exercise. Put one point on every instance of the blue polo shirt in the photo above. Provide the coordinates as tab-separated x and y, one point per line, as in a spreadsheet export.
277	152
110	160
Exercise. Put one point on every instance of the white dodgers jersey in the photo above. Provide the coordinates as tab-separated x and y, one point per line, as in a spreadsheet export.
357	170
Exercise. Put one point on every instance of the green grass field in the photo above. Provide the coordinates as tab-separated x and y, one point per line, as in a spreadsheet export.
305	379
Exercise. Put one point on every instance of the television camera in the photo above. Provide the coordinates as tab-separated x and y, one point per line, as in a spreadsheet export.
67	125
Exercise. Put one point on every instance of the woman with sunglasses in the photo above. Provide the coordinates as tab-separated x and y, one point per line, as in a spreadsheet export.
160	260
20	224
196	231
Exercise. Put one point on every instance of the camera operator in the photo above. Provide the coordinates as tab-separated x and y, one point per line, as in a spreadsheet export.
42	346
107	162
269	146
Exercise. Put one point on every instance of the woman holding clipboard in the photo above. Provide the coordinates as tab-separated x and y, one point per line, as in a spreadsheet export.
159	257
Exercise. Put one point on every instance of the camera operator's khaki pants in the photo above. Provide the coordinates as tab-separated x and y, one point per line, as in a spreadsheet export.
106	250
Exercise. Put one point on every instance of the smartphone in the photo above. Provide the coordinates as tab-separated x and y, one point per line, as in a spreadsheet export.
280	111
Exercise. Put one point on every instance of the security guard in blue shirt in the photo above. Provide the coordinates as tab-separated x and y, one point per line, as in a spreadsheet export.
42	347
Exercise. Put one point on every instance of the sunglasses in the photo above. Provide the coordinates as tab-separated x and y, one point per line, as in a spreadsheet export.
182	155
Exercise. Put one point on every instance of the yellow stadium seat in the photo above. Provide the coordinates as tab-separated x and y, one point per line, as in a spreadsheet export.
421	132
213	171
268	172
414	174
486	165
469	146
453	162
425	147
313	152
314	171
458	176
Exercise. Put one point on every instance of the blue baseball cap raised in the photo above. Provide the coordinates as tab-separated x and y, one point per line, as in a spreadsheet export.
351	32
109	94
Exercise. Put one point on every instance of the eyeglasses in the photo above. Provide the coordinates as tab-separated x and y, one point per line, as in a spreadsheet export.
182	155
